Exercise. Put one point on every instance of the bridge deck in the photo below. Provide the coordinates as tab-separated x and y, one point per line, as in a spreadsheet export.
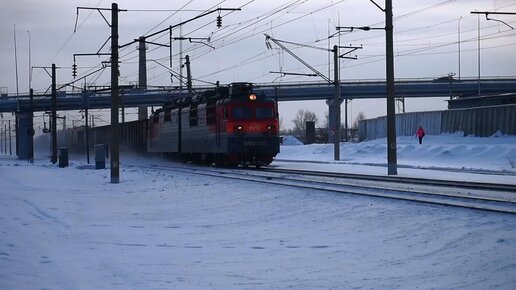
282	92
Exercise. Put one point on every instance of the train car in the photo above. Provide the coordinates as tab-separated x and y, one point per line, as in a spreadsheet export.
229	125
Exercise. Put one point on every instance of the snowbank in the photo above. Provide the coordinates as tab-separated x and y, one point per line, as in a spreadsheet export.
291	140
437	151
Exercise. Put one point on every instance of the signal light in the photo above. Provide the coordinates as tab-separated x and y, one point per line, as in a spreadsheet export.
219	21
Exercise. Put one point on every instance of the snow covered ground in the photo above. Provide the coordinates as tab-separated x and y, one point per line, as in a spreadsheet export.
70	228
451	157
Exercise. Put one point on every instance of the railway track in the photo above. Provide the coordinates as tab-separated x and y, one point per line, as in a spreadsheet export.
482	196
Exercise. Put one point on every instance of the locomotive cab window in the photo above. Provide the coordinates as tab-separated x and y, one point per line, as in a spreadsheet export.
242	112
264	112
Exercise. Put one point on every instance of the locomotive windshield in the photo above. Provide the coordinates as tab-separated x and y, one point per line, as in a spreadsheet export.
247	112
264	112
242	112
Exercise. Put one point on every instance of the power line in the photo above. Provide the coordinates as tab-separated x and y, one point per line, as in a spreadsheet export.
175	12
234	33
409	14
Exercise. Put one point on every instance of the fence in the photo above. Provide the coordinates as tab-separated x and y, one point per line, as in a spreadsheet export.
479	122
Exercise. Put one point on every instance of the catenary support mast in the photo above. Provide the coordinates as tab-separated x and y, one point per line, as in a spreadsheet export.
115	142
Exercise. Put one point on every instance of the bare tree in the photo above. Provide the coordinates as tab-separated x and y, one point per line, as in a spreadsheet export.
300	120
326	124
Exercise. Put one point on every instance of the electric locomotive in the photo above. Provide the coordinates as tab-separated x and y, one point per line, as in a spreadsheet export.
228	125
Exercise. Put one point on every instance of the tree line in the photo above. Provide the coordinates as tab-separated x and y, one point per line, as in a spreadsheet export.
303	116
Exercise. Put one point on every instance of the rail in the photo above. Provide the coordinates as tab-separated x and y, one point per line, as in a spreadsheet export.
480	196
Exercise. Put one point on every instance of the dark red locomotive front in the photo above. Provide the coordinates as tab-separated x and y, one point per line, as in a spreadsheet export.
228	125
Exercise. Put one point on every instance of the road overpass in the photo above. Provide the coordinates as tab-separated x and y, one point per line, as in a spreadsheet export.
133	97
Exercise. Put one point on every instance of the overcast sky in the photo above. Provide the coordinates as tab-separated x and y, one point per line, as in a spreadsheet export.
425	42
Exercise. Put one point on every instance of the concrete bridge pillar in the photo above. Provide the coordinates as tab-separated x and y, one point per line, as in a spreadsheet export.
142	76
332	127
25	136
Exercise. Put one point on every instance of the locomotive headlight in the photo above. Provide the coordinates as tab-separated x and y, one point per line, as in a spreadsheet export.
270	130
252	97
239	129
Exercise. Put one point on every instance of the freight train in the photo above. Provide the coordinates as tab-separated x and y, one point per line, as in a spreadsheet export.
228	125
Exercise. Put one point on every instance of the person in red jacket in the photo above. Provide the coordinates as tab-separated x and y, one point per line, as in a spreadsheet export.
420	134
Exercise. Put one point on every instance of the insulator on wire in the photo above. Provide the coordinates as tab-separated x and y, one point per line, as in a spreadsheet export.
74	70
219	21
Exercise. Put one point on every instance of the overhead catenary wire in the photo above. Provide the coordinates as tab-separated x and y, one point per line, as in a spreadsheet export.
238	38
450	43
287	5
405	15
227	40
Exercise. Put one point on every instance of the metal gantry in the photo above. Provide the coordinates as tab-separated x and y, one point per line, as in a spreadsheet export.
334	103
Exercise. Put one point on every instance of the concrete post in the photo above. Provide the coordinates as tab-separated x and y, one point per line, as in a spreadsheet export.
392	160
115	137
54	116
142	75
336	104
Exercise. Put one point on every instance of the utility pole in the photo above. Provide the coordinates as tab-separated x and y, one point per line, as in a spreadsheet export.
10	146
142	74
335	101
170	52
142	68
115	98
17	88
188	76
179	117
392	167
336	104
5	138
16	65
17	129
458	41
478	51
87	132
31	137
52	117
54	113
115	142
486	13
